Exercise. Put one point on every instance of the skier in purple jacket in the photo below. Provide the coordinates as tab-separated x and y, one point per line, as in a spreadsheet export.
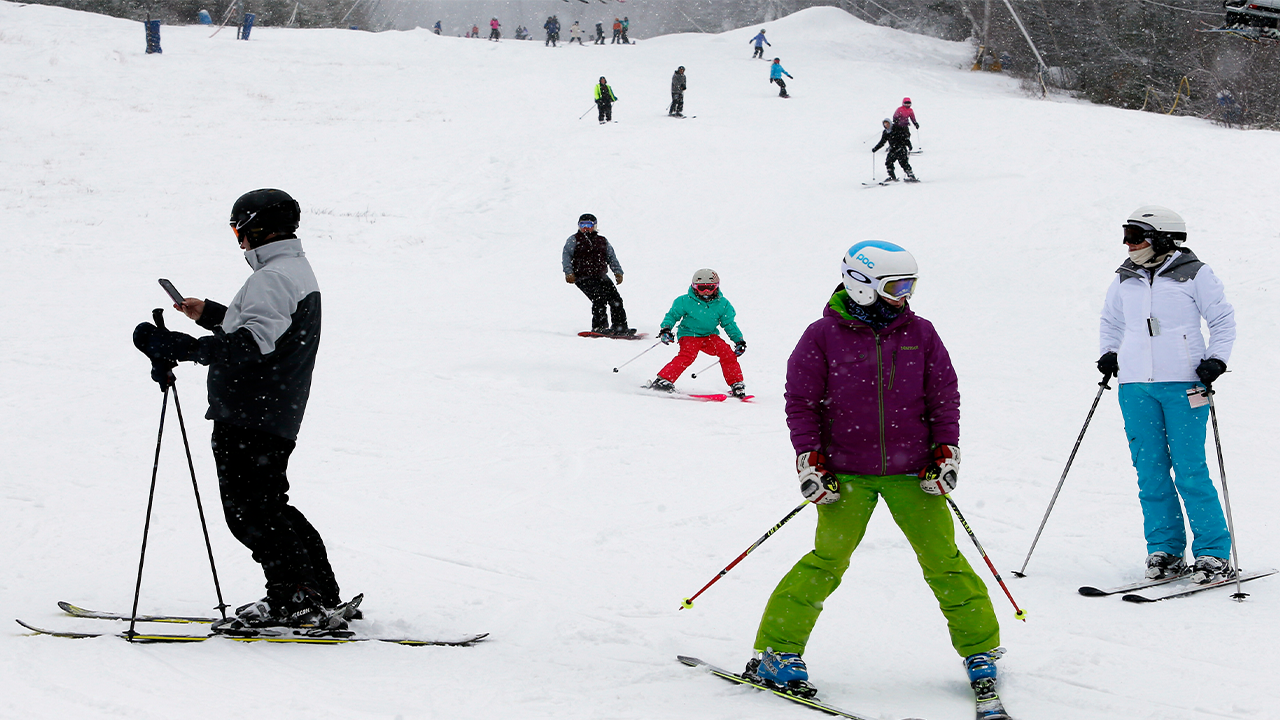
874	411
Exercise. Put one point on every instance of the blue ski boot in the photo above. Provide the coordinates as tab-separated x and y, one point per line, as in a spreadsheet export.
982	677
784	671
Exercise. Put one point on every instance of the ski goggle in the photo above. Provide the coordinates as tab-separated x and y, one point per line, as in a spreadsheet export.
705	288
1136	233
898	288
586	224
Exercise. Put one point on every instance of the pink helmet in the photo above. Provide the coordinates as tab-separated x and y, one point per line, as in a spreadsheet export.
906	101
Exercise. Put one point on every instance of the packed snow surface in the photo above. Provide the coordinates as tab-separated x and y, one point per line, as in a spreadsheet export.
474	466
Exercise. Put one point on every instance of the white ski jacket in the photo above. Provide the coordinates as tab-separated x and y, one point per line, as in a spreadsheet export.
1153	326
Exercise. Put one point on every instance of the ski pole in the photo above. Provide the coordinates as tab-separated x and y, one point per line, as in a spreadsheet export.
151	496
585	113
1020	613
688	602
1101	386
1226	497
637	357
694	375
204	526
873	166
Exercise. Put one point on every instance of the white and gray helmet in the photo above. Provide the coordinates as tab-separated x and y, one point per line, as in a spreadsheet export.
703	279
1162	227
874	268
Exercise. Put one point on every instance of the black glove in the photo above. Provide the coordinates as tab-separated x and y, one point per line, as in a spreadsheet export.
1109	365
1209	370
164	345
739	347
666	336
162	373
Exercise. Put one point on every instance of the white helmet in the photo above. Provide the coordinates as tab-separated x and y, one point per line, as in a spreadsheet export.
1162	227
874	268
705	282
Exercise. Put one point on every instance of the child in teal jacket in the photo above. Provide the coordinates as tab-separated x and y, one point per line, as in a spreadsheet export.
701	313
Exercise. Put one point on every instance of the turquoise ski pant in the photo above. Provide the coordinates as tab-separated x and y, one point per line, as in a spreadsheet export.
925	519
1166	433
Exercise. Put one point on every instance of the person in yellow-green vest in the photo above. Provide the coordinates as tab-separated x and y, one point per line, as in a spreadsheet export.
605	100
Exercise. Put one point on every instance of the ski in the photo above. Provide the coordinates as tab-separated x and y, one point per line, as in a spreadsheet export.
77	611
807	702
876	184
1192	590
634	336
1091	591
989	706
273	635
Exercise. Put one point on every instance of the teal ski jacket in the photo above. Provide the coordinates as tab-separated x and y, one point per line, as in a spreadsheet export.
702	318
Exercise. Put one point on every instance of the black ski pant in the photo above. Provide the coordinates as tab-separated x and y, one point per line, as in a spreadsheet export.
603	294
606	114
781	84
759	53
898	155
677	103
255	501
575	38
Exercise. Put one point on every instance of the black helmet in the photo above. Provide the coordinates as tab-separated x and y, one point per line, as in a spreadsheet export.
587	217
259	214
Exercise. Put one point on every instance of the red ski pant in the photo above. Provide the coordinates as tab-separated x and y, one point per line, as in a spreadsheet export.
711	345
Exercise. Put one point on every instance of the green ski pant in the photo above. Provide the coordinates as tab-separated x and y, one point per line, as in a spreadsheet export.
795	604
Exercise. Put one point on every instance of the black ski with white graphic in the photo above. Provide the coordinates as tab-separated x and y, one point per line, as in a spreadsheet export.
809	702
1091	591
989	706
77	611
272	635
1193	589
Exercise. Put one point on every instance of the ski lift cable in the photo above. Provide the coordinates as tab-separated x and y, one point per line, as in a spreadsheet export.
1174	7
873	2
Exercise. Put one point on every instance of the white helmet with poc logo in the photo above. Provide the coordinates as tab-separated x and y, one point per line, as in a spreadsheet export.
874	268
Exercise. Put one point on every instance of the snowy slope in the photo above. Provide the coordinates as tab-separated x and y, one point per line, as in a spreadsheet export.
475	466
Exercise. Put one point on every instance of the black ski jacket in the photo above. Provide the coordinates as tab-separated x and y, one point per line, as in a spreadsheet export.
898	137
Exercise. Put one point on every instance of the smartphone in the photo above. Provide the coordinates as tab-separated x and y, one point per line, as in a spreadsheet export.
173	291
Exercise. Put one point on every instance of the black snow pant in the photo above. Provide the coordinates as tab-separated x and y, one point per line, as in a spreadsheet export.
579	39
898	154
606	114
603	294
617	35
255	501
677	103
781	84
759	53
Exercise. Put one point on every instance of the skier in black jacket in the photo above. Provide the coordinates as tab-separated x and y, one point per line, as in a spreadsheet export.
586	260
677	93
260	357
899	139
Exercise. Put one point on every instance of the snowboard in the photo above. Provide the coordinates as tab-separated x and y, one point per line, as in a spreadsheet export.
591	333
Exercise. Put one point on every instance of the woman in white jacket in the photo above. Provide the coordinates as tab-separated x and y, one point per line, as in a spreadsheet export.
1151	341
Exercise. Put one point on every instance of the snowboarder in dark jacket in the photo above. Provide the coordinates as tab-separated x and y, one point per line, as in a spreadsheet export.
586	260
898	137
260	357
677	93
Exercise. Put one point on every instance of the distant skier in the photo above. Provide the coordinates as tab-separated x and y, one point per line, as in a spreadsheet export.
873	407
494	33
552	26
775	76
1151	341
760	42
599	33
575	33
898	137
701	312
436	28
586	261
475	31
677	93
626	28
617	31
905	114
261	355
605	100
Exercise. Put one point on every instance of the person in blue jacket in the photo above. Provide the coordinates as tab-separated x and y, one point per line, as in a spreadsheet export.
775	76
760	43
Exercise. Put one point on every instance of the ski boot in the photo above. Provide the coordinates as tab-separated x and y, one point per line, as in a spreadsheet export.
891	178
911	178
662	384
784	671
1209	569
1162	565
300	610
982	678
738	390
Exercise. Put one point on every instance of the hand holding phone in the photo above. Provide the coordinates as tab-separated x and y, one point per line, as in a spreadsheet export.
191	308
172	291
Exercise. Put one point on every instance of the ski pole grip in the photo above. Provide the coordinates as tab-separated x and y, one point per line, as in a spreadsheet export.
158	316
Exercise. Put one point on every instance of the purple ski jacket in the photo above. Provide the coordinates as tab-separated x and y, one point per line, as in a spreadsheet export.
874	403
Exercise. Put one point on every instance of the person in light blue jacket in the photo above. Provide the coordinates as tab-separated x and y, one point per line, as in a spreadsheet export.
1150	340
760	43
775	76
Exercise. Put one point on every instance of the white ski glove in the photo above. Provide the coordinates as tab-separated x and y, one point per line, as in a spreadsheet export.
817	485
939	476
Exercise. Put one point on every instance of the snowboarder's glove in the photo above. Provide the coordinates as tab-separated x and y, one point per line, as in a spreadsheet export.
1108	364
618	277
739	347
1209	370
666	336
817	485
164	345
939	476
570	278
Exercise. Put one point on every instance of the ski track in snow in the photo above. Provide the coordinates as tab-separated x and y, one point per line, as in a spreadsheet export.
475	467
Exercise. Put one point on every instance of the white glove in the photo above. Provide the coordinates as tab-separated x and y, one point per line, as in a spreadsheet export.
939	476
817	485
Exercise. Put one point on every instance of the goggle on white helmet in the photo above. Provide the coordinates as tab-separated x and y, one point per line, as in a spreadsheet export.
874	268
